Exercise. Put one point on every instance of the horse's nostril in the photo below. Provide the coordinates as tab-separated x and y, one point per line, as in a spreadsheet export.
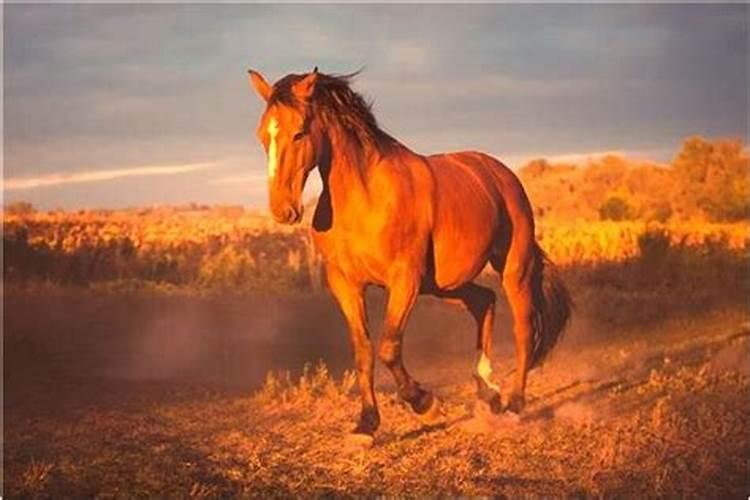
286	215
289	214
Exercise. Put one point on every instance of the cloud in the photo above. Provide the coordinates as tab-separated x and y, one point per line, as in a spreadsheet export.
56	179
584	157
246	178
482	88
255	184
80	89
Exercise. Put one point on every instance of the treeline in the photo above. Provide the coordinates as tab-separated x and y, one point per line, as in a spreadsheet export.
706	180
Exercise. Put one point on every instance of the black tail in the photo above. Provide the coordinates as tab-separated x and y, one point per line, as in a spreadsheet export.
552	307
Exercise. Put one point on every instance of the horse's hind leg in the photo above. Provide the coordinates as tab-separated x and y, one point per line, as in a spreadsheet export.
401	298
480	302
516	279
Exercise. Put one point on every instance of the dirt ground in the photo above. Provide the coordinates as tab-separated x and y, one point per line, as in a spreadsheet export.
158	396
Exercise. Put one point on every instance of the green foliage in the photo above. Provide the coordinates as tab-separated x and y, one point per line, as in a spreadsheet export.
615	209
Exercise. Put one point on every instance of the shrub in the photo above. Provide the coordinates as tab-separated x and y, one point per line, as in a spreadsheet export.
660	212
615	209
654	245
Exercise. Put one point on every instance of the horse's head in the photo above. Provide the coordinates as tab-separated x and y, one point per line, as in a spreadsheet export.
292	139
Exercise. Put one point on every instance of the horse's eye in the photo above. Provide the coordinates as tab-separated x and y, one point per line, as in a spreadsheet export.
299	135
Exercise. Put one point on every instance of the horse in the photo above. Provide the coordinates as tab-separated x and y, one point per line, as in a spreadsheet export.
412	224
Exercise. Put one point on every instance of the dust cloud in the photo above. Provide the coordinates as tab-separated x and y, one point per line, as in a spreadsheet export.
71	350
78	347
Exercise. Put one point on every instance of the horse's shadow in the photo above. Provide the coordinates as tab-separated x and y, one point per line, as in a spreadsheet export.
630	375
609	391
428	429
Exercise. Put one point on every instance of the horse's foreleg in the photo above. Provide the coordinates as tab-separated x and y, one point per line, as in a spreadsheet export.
480	302
401	298
351	300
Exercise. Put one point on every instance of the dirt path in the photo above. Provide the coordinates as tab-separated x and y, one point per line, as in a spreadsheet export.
630	413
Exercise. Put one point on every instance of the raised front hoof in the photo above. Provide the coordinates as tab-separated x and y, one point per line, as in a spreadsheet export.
424	404
357	441
516	404
433	415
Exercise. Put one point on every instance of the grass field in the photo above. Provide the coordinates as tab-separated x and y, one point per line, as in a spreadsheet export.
168	396
230	248
112	391
659	412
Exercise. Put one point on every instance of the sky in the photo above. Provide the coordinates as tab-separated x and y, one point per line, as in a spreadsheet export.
131	105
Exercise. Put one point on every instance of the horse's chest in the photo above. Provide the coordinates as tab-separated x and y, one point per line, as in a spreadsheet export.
356	252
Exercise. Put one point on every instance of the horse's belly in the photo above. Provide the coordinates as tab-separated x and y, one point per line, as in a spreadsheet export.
458	262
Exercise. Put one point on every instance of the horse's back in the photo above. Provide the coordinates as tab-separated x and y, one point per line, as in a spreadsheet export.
476	196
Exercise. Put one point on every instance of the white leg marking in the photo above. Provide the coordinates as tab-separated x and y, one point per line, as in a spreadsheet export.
484	369
273	159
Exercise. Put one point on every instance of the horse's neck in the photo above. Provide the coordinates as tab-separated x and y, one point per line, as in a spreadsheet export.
349	175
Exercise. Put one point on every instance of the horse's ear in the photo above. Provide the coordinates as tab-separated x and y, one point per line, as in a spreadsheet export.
304	88
260	84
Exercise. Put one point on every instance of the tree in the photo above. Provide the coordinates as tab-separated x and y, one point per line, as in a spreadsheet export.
20	208
712	178
535	168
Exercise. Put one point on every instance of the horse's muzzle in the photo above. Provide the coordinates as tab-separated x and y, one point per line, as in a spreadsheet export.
288	215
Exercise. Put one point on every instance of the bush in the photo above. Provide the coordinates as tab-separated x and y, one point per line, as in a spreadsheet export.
615	209
654	245
660	212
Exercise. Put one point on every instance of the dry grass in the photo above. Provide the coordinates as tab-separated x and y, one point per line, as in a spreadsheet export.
661	413
213	248
586	242
109	395
235	249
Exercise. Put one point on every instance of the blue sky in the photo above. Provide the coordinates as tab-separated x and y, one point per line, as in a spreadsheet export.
126	105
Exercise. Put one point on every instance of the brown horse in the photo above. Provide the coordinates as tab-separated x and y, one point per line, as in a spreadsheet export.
412	224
